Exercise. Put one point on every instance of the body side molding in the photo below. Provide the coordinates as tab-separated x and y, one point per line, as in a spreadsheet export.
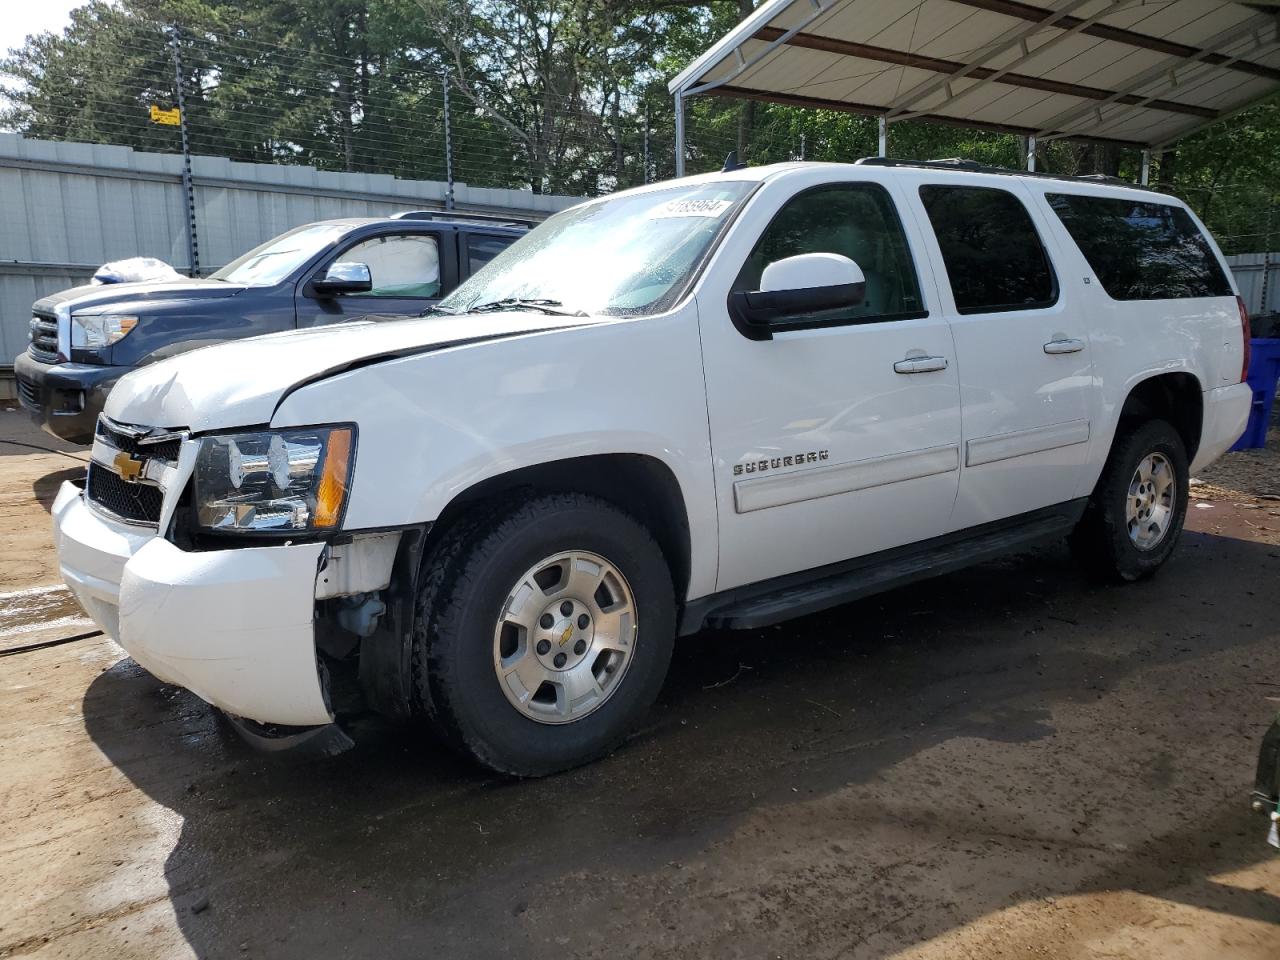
760	493
1006	446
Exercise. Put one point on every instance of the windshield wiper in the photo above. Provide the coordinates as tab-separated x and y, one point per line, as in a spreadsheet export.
521	303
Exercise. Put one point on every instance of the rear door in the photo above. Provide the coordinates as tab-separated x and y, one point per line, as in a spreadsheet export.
1022	346
842	439
410	271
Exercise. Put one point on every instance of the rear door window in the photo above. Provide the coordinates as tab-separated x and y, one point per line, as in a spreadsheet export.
993	255
482	248
1141	250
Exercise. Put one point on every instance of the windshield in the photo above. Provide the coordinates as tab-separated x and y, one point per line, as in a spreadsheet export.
267	265
629	256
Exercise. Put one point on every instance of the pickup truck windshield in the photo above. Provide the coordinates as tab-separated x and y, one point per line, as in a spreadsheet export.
268	264
628	256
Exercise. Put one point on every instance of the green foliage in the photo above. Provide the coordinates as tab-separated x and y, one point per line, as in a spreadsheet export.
551	95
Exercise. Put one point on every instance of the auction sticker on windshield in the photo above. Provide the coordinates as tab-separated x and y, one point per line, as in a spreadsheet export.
703	207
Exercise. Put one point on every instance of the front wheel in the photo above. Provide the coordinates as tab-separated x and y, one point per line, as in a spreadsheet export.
543	633
1135	515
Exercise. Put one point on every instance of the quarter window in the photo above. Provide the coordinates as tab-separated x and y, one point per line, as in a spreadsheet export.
1140	250
481	249
404	265
856	220
993	255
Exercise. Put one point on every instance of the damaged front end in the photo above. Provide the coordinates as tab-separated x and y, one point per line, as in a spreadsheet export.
364	618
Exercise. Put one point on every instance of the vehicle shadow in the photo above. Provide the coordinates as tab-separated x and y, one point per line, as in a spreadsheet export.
398	849
45	488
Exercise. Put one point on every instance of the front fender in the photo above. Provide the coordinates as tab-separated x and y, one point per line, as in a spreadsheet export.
433	425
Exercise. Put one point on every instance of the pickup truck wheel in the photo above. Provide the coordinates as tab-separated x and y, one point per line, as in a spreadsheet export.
1135	515
543	633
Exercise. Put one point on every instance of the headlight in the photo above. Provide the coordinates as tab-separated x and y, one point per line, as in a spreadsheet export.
274	481
94	331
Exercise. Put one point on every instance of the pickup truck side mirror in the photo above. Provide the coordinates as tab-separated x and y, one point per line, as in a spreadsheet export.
343	277
795	291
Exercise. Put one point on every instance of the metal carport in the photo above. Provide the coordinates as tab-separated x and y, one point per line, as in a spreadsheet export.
1139	73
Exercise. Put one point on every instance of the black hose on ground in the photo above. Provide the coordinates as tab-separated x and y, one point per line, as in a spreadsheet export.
29	647
36	446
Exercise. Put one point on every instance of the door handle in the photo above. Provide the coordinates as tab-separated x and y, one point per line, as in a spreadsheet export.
1064	346
920	365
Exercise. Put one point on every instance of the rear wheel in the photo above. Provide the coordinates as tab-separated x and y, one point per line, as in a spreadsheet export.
543	633
1136	513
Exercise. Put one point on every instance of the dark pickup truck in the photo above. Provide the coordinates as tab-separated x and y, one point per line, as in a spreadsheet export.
84	339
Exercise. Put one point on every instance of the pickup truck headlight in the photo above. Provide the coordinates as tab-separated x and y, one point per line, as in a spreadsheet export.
276	481
95	331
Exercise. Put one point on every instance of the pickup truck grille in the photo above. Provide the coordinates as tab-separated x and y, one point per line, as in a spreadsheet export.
128	442
127	474
135	502
44	338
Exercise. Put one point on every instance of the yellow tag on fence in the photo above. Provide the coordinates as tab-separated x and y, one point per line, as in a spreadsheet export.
169	118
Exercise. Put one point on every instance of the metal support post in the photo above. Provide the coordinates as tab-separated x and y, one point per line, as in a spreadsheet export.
645	176
883	138
448	142
188	188
679	134
1031	154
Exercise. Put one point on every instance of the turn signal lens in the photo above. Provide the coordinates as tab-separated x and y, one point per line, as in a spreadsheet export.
332	491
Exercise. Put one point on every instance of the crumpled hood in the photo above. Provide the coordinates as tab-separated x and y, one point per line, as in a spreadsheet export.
105	294
240	383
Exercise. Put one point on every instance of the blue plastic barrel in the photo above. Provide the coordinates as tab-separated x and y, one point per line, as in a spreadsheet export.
1264	371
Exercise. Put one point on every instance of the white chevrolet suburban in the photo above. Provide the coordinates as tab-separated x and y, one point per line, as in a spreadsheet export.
721	401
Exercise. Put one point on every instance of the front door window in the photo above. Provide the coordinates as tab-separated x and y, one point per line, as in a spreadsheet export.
401	266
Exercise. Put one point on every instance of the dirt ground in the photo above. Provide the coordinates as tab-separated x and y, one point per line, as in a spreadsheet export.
1006	762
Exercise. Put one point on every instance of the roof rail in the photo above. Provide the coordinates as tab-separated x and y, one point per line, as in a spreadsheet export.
972	166
950	163
465	217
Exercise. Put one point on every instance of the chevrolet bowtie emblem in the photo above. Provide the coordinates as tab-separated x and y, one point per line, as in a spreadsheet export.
129	467
564	637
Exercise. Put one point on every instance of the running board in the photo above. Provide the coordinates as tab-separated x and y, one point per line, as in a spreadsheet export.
764	604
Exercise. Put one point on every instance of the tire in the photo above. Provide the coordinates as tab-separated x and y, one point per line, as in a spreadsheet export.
477	588
1114	543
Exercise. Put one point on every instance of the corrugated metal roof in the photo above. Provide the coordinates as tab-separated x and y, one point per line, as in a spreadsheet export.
1140	72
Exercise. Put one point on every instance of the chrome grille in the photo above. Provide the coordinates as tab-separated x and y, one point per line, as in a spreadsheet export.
128	472
131	442
44	338
135	502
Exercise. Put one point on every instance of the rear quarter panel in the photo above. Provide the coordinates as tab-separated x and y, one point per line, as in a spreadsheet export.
1134	340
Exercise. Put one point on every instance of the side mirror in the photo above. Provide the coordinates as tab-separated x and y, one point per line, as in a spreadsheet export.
795	289
343	277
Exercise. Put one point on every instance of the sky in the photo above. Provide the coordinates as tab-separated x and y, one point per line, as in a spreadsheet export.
23	17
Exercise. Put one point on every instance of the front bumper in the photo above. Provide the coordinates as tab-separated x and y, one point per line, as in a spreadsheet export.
64	398
235	627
